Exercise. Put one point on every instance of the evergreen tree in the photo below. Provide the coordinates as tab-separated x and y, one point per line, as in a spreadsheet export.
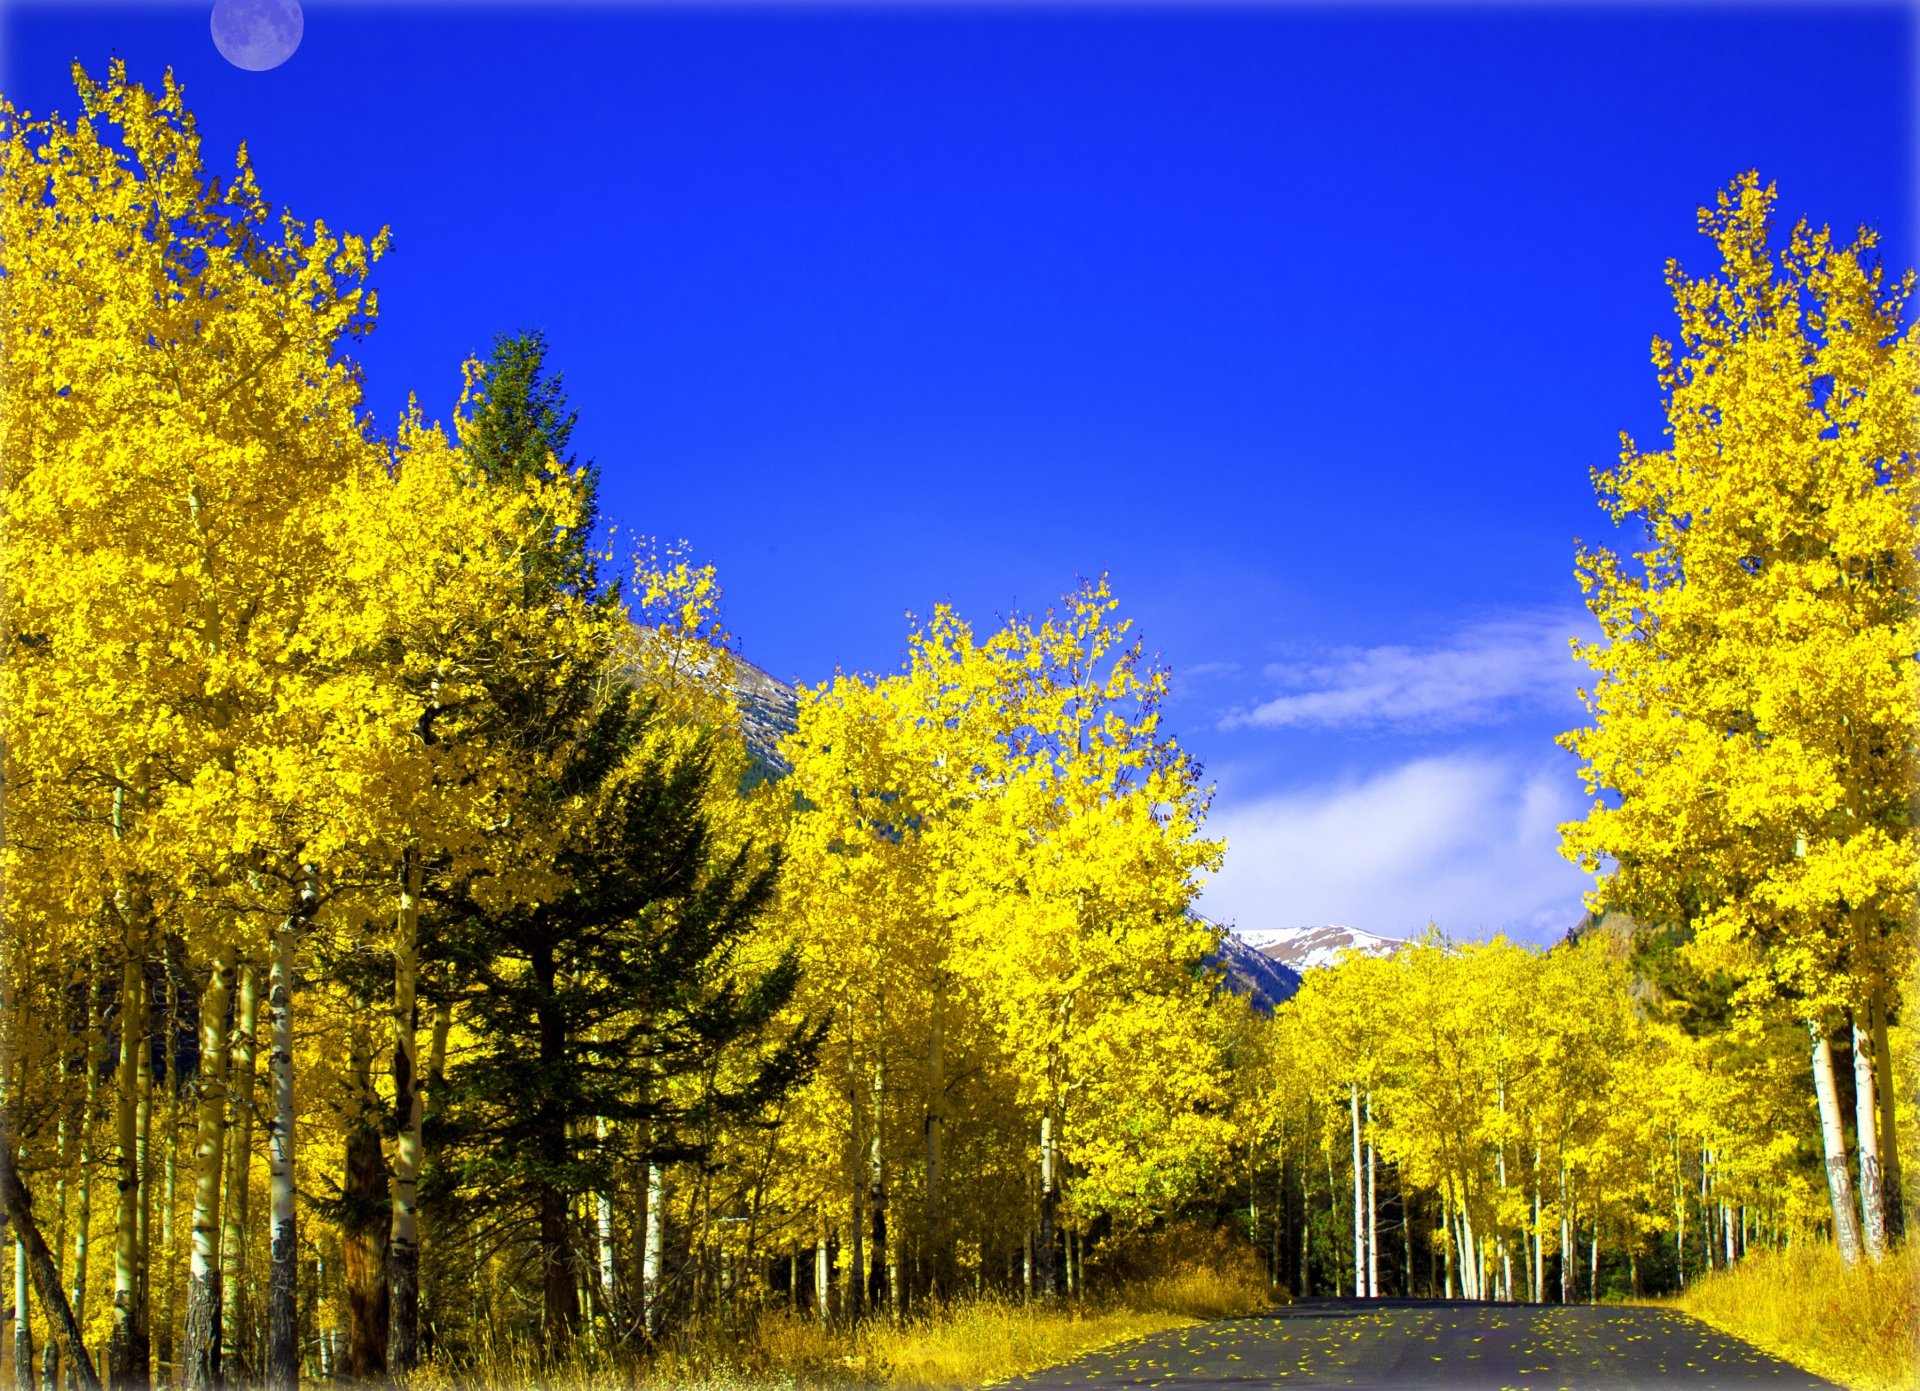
519	426
590	1006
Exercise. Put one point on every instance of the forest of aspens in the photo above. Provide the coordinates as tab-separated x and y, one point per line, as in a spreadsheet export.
410	968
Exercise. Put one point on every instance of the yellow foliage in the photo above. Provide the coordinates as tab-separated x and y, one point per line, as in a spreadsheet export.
1857	1325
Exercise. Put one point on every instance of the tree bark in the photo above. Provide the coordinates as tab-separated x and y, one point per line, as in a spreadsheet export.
202	1341
22	1322
1889	1091
1359	1201
83	1206
1539	1289
234	1208
283	1310
654	1270
127	1367
143	1249
603	1235
822	1277
1866	1126
403	1252
937	1275
17	1207
1049	1206
366	1217
1373	1212
1833	1137
878	1286
50	1354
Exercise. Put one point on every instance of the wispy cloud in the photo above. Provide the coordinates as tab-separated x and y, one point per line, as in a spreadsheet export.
1467	841
1486	672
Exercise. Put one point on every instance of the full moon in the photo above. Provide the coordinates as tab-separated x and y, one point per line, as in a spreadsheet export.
257	34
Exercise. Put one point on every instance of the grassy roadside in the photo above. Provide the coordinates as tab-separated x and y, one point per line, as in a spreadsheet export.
1855	1326
968	1343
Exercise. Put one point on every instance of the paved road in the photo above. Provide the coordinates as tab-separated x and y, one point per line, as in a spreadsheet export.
1388	1344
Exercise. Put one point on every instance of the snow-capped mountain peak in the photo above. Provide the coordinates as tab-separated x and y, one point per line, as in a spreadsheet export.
1305	948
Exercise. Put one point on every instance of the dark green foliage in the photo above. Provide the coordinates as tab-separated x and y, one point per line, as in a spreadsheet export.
520	428
593	1004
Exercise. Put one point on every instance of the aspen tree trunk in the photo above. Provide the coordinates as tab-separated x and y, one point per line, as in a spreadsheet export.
1447	1245
1049	1199
856	1216
209	1153
17	1208
1706	1209
234	1210
603	1221
50	1354
1566	1256
1866	1125
169	1254
1373	1213
127	1367
1888	1090
283	1283
878	1284
938	1279
22	1322
822	1278
1406	1229
363	1230
403	1252
1846	1228
1359	1201
143	1226
83	1215
1469	1255
653	1271
1306	1230
1538	1292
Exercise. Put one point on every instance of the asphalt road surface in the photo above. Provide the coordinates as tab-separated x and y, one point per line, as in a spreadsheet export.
1383	1344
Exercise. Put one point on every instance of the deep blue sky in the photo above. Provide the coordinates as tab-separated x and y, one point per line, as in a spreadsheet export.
1307	325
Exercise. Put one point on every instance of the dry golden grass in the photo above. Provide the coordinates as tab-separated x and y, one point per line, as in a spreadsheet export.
1857	1327
970	1342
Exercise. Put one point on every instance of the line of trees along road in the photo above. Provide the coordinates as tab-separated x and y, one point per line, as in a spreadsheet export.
402	958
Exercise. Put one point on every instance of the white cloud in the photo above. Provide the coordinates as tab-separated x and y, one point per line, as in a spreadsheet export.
1467	841
1487	672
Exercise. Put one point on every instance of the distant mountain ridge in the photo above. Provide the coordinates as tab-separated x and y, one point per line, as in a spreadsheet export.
1265	982
1312	948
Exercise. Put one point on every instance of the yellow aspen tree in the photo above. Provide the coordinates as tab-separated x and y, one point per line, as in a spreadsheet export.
176	411
1756	694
